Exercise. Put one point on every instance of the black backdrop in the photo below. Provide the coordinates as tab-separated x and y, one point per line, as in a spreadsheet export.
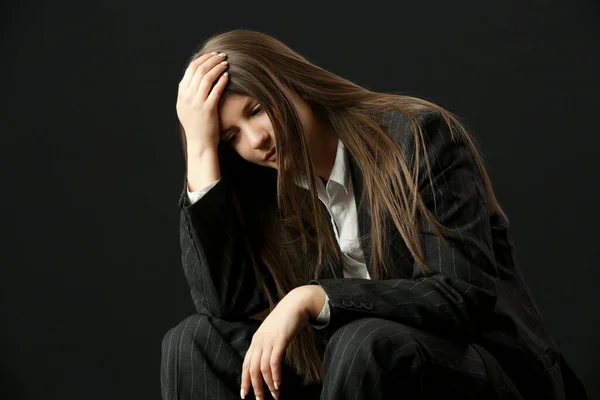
92	164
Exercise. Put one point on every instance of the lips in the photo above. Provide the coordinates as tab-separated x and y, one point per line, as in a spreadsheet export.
270	156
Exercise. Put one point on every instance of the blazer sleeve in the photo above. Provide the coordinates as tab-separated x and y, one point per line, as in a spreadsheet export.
459	291
214	256
197	194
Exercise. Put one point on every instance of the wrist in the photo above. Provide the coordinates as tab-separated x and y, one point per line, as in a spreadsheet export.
312	299
195	149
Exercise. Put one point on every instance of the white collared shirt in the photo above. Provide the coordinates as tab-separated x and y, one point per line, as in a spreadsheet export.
338	197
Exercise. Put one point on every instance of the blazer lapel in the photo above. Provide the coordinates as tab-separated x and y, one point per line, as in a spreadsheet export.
398	259
330	270
362	211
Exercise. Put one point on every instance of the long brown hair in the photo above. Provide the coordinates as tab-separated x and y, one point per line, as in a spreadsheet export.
286	232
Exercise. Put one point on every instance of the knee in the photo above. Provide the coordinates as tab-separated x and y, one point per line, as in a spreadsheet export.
181	337
374	340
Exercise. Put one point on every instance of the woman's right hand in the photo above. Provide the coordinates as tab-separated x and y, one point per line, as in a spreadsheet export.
197	103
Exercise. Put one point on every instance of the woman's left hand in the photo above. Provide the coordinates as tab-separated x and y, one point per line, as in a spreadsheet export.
266	351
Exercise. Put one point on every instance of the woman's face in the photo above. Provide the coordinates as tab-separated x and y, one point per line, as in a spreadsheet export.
246	127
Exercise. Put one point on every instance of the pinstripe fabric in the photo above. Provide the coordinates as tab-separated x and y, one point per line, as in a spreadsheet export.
216	265
368	358
202	359
375	358
471	322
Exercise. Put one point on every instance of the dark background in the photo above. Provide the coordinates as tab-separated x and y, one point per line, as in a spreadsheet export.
92	163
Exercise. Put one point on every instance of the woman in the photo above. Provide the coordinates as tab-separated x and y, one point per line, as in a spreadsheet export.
341	243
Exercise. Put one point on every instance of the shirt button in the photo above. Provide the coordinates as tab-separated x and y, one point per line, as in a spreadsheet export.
337	208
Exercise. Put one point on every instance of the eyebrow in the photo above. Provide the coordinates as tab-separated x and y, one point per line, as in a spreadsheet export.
245	110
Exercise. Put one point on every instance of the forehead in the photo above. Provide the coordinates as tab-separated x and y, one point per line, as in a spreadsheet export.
231	101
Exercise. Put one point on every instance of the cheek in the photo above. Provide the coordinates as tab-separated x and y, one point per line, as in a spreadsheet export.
243	152
246	152
265	124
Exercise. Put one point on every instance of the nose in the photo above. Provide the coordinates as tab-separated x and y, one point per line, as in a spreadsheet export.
258	138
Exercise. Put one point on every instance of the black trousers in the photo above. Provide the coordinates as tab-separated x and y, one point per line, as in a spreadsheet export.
369	358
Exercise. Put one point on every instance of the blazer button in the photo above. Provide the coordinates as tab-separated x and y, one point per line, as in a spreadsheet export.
368	305
347	302
357	303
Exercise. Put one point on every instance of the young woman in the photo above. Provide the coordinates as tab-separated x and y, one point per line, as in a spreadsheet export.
341	243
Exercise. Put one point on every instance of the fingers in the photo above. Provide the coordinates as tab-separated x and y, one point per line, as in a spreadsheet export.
255	375
265	369
251	377
276	360
191	69
245	386
200	79
259	364
219	86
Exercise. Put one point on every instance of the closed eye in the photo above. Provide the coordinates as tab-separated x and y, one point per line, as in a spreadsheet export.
231	137
256	110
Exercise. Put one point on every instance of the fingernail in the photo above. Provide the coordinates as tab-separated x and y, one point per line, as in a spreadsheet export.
214	53
274	396
276	385
242	394
257	398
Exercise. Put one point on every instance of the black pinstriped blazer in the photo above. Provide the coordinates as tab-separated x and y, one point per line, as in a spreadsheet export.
475	291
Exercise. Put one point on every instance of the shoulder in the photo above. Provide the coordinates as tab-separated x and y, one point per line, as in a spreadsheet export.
401	126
